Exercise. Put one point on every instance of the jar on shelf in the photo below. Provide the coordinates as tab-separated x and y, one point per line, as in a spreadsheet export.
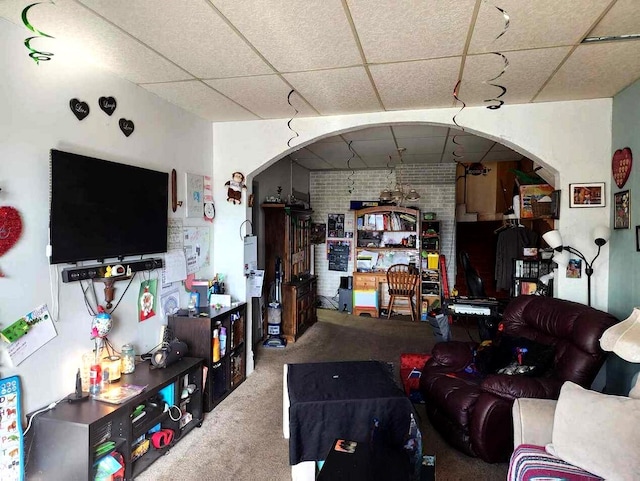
128	359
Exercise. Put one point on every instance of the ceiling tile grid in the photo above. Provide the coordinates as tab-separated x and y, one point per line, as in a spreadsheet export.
622	19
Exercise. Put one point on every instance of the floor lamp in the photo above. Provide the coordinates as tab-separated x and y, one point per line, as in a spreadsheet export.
561	257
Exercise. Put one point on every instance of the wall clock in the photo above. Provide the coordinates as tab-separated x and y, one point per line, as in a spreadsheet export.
621	166
209	210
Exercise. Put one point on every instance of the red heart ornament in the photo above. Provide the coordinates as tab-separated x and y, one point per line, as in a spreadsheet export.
10	228
621	166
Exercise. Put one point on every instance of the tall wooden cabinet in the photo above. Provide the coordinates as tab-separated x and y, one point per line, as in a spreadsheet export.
287	236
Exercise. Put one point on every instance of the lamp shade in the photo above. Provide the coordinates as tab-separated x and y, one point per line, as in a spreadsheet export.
547	277
562	258
553	238
601	235
412	195
624	338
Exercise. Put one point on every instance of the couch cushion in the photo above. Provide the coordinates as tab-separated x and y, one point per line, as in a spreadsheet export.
597	432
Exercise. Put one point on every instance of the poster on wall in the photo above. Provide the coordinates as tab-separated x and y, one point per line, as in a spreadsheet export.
147	299
195	195
196	248
335	225
338	255
318	233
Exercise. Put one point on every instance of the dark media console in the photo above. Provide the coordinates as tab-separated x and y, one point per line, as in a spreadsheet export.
98	271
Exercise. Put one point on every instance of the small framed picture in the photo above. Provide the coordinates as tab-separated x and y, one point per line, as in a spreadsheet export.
638	238
621	209
587	195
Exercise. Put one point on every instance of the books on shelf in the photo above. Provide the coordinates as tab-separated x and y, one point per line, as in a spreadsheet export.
388	221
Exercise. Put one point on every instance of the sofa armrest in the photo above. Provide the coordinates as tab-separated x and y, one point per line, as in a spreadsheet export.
514	387
533	421
454	355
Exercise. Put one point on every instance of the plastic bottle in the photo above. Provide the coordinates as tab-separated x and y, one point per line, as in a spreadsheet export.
216	346
95	378
223	341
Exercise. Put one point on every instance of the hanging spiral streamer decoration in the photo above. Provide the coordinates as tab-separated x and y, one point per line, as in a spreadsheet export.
36	55
352	183
291	119
503	89
458	151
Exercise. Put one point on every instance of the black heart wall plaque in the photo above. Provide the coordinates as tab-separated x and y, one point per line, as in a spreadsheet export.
107	104
80	109
126	126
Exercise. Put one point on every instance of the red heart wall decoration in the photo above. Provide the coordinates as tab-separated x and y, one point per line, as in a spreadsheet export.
10	228
621	166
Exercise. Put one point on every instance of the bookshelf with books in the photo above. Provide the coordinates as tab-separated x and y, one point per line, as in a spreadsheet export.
526	273
385	235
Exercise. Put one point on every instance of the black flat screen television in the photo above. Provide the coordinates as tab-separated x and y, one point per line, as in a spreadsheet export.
101	209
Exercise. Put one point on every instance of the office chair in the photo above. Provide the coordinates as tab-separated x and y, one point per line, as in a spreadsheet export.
475	286
402	280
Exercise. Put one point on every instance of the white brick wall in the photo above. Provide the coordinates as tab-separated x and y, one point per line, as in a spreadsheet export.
329	193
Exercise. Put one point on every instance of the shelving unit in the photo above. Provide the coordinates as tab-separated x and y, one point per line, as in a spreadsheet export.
225	372
526	273
63	440
430	285
288	237
384	236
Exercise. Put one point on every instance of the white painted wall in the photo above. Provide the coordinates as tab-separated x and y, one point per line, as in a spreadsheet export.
574	138
34	118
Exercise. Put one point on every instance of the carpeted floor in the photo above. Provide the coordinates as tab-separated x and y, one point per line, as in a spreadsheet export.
241	439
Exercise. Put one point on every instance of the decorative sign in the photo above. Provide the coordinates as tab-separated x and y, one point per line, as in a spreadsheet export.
79	108
126	126
10	228
339	255
108	105
621	166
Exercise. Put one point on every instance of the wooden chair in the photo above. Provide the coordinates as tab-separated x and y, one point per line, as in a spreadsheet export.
402	280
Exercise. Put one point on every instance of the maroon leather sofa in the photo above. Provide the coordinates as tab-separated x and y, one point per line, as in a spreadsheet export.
473	412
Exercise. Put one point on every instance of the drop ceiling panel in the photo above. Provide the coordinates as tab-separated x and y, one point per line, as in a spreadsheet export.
375	147
96	40
421	84
296	34
316	164
303	154
525	74
354	163
335	92
196	37
594	71
622	19
410	30
467	157
196	97
264	95
378	161
331	151
422	145
422	158
408	131
372	133
543	23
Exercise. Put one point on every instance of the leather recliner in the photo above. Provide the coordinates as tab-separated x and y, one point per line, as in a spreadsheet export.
473	412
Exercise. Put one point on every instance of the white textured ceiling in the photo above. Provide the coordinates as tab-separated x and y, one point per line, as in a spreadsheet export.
229	60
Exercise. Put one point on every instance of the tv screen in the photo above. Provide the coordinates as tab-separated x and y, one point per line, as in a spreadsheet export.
101	209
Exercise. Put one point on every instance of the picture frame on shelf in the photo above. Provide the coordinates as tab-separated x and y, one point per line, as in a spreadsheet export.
591	194
622	209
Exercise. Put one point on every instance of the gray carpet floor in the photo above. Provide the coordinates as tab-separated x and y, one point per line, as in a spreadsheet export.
241	439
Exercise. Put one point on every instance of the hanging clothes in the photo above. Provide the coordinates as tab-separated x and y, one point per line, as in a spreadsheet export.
509	247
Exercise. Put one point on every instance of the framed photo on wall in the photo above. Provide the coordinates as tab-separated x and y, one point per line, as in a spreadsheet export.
621	209
587	195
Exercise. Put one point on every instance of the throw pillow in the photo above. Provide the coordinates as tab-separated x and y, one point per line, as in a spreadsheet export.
597	432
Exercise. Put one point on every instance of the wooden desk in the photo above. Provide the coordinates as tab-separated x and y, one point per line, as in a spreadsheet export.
377	281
